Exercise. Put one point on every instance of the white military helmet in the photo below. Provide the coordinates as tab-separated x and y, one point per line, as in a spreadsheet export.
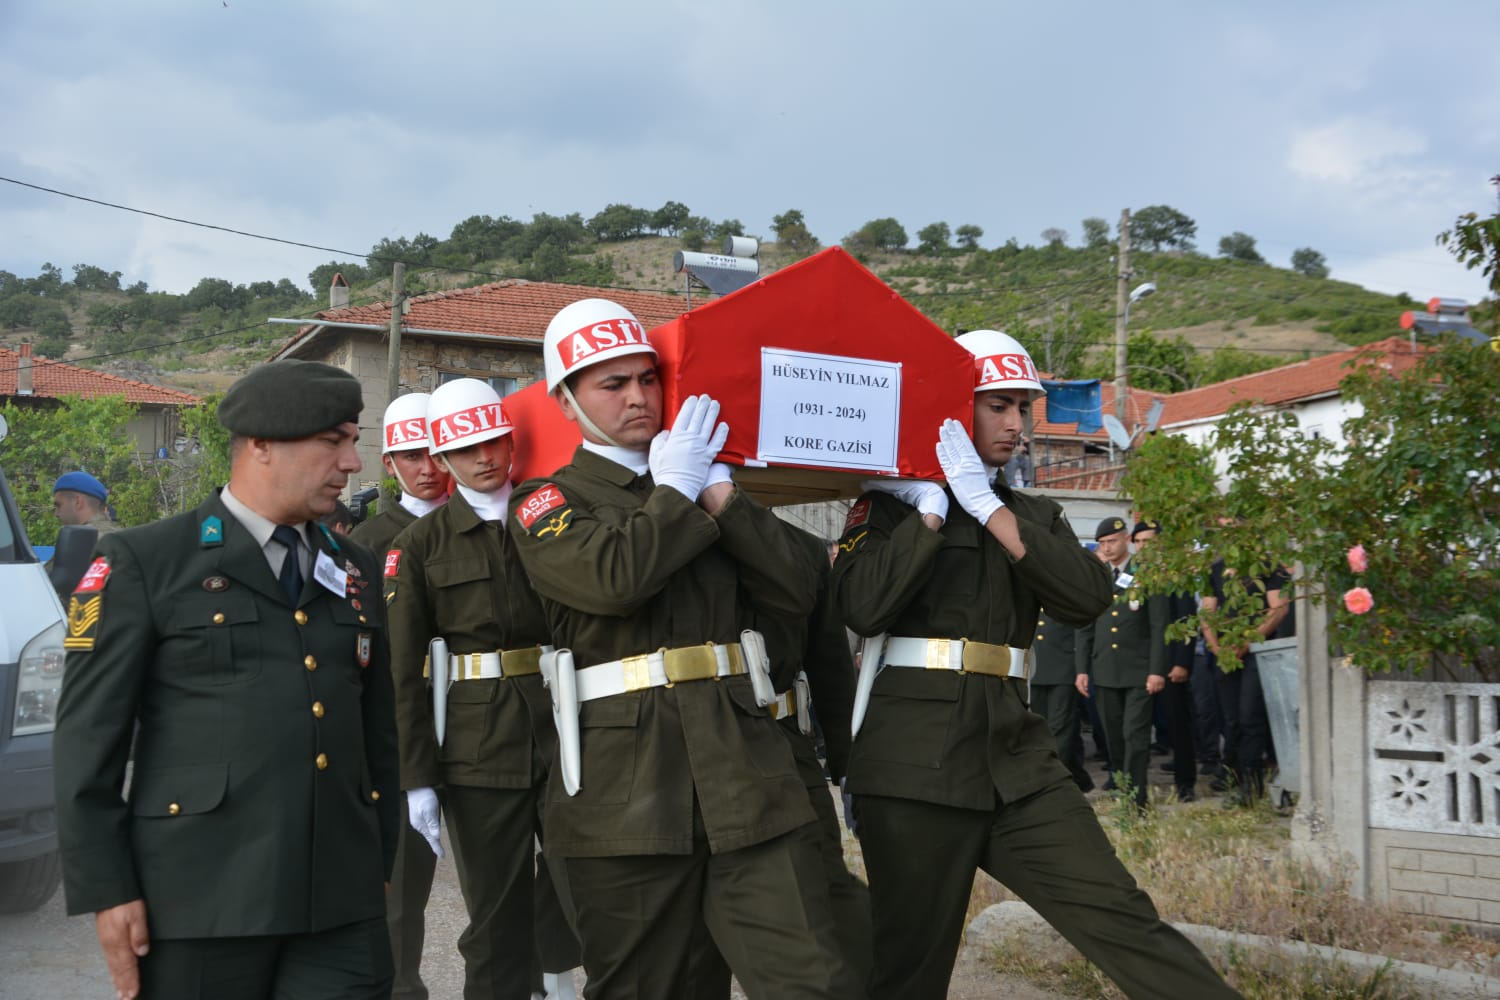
463	412
405	423
587	332
1000	362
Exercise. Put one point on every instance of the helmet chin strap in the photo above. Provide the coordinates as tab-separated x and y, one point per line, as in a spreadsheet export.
585	422
454	472
401	482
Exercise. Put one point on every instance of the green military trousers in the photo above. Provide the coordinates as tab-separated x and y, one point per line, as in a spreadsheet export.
1126	715
1058	704
1049	849
406	908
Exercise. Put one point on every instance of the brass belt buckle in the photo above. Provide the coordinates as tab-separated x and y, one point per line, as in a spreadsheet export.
516	662
691	663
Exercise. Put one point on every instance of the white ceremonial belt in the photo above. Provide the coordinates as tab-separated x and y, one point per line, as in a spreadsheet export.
488	666
661	668
963	655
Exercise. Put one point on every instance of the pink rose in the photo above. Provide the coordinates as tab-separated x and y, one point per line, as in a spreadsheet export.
1358	600
1357	561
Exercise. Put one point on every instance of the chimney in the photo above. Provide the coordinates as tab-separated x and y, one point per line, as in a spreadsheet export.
338	292
23	372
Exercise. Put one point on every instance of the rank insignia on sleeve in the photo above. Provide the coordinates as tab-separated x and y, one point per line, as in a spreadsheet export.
556	524
541	503
83	621
858	514
392	562
362	649
94	579
848	544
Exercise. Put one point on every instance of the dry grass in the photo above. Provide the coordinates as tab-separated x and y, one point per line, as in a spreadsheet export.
1231	869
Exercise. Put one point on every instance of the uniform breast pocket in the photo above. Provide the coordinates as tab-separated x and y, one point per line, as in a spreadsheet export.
212	640
958	565
462	589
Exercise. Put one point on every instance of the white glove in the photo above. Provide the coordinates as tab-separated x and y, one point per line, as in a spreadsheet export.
680	457
718	473
928	498
966	474
422	814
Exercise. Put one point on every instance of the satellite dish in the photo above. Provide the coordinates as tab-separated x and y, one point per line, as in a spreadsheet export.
1153	415
1117	432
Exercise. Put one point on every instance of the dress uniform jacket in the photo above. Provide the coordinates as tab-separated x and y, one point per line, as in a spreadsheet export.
1127	642
964	740
454	575
264	798
379	532
625	568
1052	653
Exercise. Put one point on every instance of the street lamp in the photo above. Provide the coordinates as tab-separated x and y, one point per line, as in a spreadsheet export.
1121	384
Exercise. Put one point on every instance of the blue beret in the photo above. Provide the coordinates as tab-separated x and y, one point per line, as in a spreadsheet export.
81	482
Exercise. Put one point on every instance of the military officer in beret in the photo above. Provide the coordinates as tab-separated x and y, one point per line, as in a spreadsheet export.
1122	659
455	575
249	856
949	770
424	486
675	800
1054	696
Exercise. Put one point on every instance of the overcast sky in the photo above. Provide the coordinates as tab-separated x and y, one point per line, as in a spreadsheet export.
1358	128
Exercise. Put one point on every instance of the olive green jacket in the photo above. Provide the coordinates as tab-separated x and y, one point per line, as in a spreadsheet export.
453	575
1052	652
624	567
264	795
964	740
379	532
1128	641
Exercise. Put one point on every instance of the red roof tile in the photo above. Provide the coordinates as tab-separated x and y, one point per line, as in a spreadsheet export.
1290	383
55	379
511	308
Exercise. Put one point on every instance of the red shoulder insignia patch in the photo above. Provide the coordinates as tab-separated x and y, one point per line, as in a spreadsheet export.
858	514
95	578
539	504
392	562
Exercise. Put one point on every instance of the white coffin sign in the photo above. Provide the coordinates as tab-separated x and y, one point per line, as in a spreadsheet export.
821	409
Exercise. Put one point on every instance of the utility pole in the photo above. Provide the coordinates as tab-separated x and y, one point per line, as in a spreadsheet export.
393	358
1122	303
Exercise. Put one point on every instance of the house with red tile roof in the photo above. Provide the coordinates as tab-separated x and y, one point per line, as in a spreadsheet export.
28	381
491	332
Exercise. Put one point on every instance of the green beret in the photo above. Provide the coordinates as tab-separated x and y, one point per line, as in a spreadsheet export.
1109	526
1144	525
286	400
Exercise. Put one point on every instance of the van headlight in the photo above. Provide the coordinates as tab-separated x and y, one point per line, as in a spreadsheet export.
41	666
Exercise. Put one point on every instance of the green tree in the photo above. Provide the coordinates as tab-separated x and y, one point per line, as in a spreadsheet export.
1161	226
1475	243
1306	260
320	278
877	234
968	236
728	227
1096	233
1159	365
87	277
670	218
619	222
1054	237
784	224
1240	246
933	238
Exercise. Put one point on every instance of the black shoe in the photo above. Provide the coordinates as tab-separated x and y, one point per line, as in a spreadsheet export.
1085	785
1169	766
1219	784
1186	795
1110	786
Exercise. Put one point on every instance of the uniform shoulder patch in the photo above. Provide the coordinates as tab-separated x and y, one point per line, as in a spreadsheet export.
83	621
94	578
541	503
858	514
393	562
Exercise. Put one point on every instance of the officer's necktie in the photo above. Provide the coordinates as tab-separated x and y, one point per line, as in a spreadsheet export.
291	566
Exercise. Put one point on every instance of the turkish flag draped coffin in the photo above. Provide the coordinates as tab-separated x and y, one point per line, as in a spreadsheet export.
825	376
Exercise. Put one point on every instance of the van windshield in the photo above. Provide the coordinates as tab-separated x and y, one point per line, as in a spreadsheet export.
13	545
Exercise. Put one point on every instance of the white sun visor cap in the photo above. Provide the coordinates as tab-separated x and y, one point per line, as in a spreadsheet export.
463	412
1000	362
405	423
587	332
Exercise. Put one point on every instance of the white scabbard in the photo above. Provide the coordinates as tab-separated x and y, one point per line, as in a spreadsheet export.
758	662
437	666
559	677
804	703
871	662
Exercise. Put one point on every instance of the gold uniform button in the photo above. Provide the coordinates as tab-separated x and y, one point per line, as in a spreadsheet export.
1114	628
218	618
363	619
1114	614
321	761
173	809
374	796
300	617
1114	645
1040	637
310	662
318	709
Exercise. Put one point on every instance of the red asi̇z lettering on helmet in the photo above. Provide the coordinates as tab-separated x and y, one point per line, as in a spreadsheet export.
405	431
539	504
590	340
456	426
1005	366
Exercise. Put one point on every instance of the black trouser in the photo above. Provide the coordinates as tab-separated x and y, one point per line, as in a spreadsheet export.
1208	718
1058	704
1126	714
352	962
406	906
1049	849
1177	698
1247	726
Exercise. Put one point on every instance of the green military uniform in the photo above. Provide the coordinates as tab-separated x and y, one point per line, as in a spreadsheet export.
263	800
454	575
1054	695
1118	651
951	772
688	792
411	879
